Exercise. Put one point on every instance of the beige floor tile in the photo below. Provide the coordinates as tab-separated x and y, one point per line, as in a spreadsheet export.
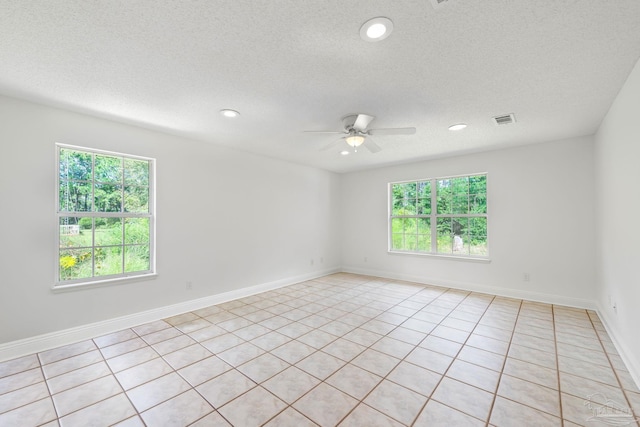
193	325
221	343
106	412
441	345
393	347
376	362
186	356
79	376
207	333
365	415
178	411
344	349
134	358
431	360
290	384
486	343
122	347
354	381
495	333
407	335
225	387
74	362
530	394
23	396
20	380
181	318
531	372
317	338
603	374
437	414
115	338
337	328
419	325
585	388
263	367
530	341
173	344
157	391
531	355
290	418
415	378
463	397
214	419
577	412
234	324
252	331
362	337
140	374
294	330
66	351
396	401
482	358
270	341
474	375
161	335
325	405
21	364
134	421
293	351
275	322
450	334
151	327
320	364
579	341
507	413
252	408
85	395
204	370
240	354
32	414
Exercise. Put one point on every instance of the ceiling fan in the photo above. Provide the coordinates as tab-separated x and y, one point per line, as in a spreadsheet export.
356	132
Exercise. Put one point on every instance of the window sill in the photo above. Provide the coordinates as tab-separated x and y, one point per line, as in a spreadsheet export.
482	260
101	283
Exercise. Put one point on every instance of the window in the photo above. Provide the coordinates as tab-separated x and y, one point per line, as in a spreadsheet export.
105	216
446	216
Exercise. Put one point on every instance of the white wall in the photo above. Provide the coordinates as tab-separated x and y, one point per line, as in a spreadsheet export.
541	221
618	192
225	220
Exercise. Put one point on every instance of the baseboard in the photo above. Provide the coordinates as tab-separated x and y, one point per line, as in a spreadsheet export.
474	287
39	343
632	364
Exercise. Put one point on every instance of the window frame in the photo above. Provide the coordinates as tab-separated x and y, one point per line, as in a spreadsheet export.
433	216
94	280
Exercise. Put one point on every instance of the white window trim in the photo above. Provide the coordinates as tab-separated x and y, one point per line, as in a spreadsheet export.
434	253
91	282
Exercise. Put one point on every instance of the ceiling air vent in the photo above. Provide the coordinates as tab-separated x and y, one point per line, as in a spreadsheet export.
505	119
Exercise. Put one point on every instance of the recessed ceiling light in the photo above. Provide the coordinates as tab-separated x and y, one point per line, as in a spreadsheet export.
458	126
344	153
229	113
376	29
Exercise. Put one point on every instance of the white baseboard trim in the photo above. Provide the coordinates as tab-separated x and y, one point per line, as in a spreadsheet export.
474	287
632	364
14	349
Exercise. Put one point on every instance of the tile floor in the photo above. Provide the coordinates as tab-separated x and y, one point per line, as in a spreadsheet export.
344	350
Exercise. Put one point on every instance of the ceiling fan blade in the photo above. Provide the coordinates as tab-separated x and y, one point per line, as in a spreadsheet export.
392	131
331	145
371	146
324	131
362	121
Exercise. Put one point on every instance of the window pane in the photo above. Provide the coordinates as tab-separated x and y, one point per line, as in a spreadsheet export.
136	172
444	195
75	232
478	203
478	236
424	189
460	204
424	226
75	165
410	242
444	241
108	169
108	260
74	196
136	230
108	232
424	206
409	225
424	243
136	199
397	241
75	264
136	258
108	198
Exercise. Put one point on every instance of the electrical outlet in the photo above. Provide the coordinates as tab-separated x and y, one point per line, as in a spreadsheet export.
526	277
321	260
615	308
189	286
365	259
311	261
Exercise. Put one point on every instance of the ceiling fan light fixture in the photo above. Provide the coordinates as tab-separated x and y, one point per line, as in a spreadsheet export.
376	29
354	140
458	126
229	113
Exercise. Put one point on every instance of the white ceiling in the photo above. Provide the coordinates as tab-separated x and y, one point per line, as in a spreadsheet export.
295	65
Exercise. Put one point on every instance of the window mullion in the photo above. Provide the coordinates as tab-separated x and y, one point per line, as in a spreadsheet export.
434	219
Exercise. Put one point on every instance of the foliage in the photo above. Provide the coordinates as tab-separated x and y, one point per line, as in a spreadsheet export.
455	206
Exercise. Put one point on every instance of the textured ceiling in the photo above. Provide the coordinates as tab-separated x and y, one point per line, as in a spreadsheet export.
290	66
